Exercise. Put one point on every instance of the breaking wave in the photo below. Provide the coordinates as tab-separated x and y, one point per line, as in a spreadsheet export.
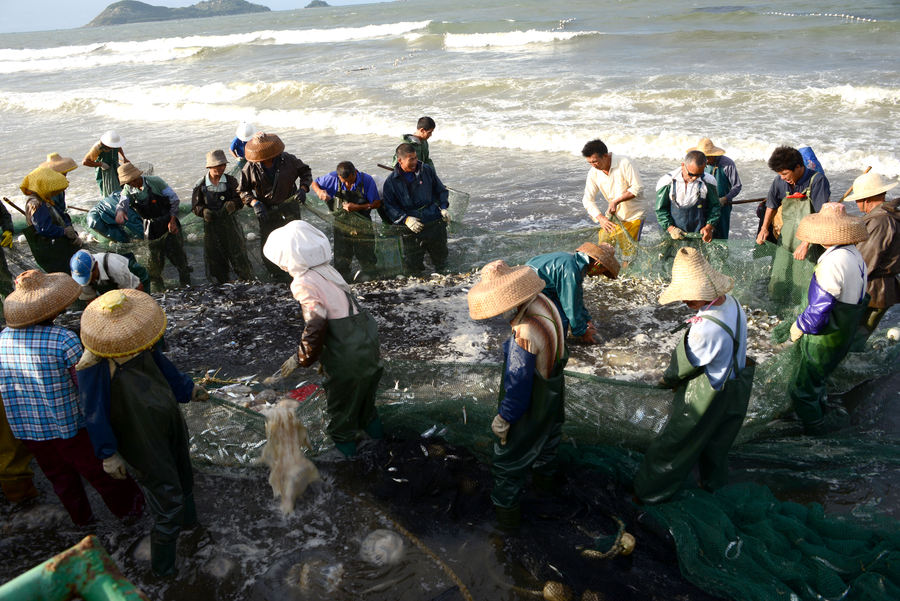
510	39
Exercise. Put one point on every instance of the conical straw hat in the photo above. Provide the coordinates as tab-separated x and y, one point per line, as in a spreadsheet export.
706	146
39	296
694	279
604	254
502	288
58	163
868	185
122	322
832	225
262	147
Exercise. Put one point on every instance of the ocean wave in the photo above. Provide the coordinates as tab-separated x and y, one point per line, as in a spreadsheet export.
510	39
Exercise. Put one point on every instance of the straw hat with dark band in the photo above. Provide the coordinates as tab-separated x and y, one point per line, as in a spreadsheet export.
58	163
868	185
263	147
127	172
832	225
604	254
214	158
502	288
38	297
122	322
693	279
706	146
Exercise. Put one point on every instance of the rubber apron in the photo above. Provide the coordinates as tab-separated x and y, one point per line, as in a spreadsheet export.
354	234
790	278
108	179
51	254
223	241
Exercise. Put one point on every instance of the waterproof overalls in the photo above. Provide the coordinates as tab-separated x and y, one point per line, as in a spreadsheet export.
155	210
351	363
723	186
276	214
533	439
51	254
104	286
353	233
223	239
791	277
102	219
108	180
702	425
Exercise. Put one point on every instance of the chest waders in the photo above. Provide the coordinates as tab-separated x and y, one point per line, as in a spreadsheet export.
153	438
351	362
109	180
51	254
223	241
6	277
276	215
354	235
723	187
790	278
702	425
155	209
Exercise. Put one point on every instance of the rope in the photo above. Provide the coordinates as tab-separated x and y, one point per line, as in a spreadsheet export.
620	544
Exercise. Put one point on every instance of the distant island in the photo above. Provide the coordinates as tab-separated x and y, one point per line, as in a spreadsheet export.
132	11
317	4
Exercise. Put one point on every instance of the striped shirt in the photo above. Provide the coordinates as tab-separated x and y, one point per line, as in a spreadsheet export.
36	382
538	329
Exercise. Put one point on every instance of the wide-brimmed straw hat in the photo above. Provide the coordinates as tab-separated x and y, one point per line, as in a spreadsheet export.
121	323
38	297
604	254
244	131
262	147
214	158
868	185
128	172
45	182
694	279
59	164
502	288
111	139
706	146
832	225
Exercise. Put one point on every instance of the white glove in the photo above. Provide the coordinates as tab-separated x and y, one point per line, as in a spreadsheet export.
796	332
199	394
414	224
445	214
104	166
500	427
675	232
114	465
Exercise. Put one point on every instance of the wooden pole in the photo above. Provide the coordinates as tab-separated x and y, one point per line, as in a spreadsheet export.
13	205
743	202
849	190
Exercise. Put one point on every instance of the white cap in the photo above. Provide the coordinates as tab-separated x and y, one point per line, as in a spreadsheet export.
245	131
111	139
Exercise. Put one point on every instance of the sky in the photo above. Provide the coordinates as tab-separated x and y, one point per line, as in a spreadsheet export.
21	16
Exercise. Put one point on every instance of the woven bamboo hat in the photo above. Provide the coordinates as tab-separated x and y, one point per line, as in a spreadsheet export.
502	288
58	163
868	185
694	279
832	225
38	297
262	147
214	158
44	182
706	146
604	254
127	172
122	322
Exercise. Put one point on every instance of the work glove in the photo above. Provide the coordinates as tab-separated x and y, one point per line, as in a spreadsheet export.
260	209
676	233
199	394
6	239
231	206
288	367
500	427
208	215
70	232
114	465
414	224
796	332
104	166
445	215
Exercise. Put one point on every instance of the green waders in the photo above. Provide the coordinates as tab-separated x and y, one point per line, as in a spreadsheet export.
6	278
702	426
790	278
223	246
351	362
108	180
531	442
153	438
275	217
820	354
354	235
51	254
172	246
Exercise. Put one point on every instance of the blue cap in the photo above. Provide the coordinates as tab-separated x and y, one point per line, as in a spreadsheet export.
81	264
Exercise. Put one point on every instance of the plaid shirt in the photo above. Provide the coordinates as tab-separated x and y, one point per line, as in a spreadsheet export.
36	384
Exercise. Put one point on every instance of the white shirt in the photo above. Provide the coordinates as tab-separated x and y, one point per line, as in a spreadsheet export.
622	177
118	273
685	194
710	346
841	272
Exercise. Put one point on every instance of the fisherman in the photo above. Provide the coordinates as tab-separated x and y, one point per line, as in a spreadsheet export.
727	179
837	301
712	379
101	272
414	196
687	199
269	185
40	395
563	275
130	392
102	219
104	155
338	333
157	204
6	241
215	199
531	411
797	191
242	135
619	181
50	234
419	141
881	251
356	194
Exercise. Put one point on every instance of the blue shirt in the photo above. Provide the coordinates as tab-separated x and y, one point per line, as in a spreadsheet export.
819	192
43	221
237	146
332	184
38	390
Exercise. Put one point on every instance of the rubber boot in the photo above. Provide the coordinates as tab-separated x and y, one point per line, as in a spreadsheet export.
162	559
190	512
832	421
157	285
509	519
375	429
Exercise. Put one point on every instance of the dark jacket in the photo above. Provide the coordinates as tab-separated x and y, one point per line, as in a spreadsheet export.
423	198
881	252
6	222
256	184
201	199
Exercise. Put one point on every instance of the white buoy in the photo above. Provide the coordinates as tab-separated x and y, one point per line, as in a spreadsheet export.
252	236
21	239
893	334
